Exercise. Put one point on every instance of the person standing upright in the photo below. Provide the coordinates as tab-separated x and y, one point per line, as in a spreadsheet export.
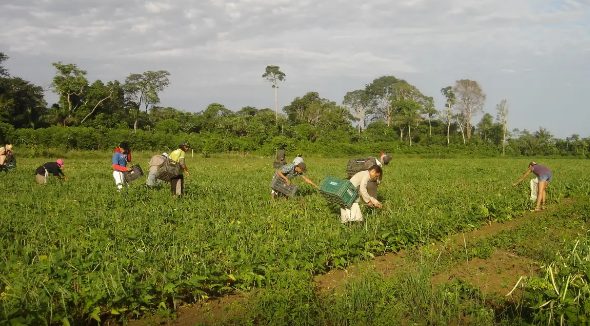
121	155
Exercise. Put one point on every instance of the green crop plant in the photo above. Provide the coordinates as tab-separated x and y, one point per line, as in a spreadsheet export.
562	294
78	251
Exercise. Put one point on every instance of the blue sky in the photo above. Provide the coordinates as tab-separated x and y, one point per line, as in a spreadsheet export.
534	53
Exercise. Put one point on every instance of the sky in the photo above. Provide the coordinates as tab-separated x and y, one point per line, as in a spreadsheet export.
533	53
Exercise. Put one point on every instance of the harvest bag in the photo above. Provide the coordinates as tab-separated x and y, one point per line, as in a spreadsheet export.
168	170
360	164
134	174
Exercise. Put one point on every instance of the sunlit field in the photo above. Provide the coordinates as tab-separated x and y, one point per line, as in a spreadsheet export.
80	251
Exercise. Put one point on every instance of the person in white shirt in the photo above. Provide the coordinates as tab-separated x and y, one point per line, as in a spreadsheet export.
360	181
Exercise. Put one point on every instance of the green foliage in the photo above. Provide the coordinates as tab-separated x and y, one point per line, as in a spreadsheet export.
562	294
7	133
83	252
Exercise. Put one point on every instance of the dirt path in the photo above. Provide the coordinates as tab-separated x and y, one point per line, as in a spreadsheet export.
494	275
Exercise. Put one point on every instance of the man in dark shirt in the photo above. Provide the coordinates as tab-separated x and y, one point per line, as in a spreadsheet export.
53	168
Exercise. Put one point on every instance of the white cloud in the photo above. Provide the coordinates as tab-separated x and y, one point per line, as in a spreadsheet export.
505	45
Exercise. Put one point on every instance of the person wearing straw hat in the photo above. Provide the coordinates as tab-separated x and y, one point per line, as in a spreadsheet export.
50	168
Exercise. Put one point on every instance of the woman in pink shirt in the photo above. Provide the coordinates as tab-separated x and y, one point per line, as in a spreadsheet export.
544	175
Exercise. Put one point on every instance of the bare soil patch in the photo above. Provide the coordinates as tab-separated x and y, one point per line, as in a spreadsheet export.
495	275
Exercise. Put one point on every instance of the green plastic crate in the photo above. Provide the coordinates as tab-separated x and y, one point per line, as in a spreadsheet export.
338	191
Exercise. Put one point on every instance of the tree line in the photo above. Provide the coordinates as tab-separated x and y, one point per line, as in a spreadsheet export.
388	111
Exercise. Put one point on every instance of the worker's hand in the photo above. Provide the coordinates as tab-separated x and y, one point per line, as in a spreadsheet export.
378	204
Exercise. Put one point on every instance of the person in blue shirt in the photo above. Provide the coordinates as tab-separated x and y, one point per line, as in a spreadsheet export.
120	158
290	171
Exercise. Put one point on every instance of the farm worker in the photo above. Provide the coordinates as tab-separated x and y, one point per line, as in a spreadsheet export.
280	159
53	168
360	181
177	183
10	160
154	164
2	159
544	177
290	171
124	145
121	155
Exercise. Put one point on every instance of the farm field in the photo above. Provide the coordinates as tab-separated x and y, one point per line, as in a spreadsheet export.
79	252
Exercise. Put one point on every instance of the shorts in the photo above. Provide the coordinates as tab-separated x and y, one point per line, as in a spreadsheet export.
545	177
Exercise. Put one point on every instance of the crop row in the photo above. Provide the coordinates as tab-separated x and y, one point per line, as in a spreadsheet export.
78	250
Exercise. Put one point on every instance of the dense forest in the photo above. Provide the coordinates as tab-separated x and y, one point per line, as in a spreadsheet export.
388	113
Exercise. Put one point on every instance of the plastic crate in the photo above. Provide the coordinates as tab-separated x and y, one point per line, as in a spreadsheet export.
359	164
339	191
277	184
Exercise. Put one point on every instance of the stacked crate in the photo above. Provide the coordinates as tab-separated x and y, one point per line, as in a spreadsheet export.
338	191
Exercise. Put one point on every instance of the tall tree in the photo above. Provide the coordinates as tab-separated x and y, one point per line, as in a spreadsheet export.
3	71
485	126
69	83
143	89
274	75
407	104
95	97
470	100
21	103
315	111
449	94
502	119
356	101
430	112
380	93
